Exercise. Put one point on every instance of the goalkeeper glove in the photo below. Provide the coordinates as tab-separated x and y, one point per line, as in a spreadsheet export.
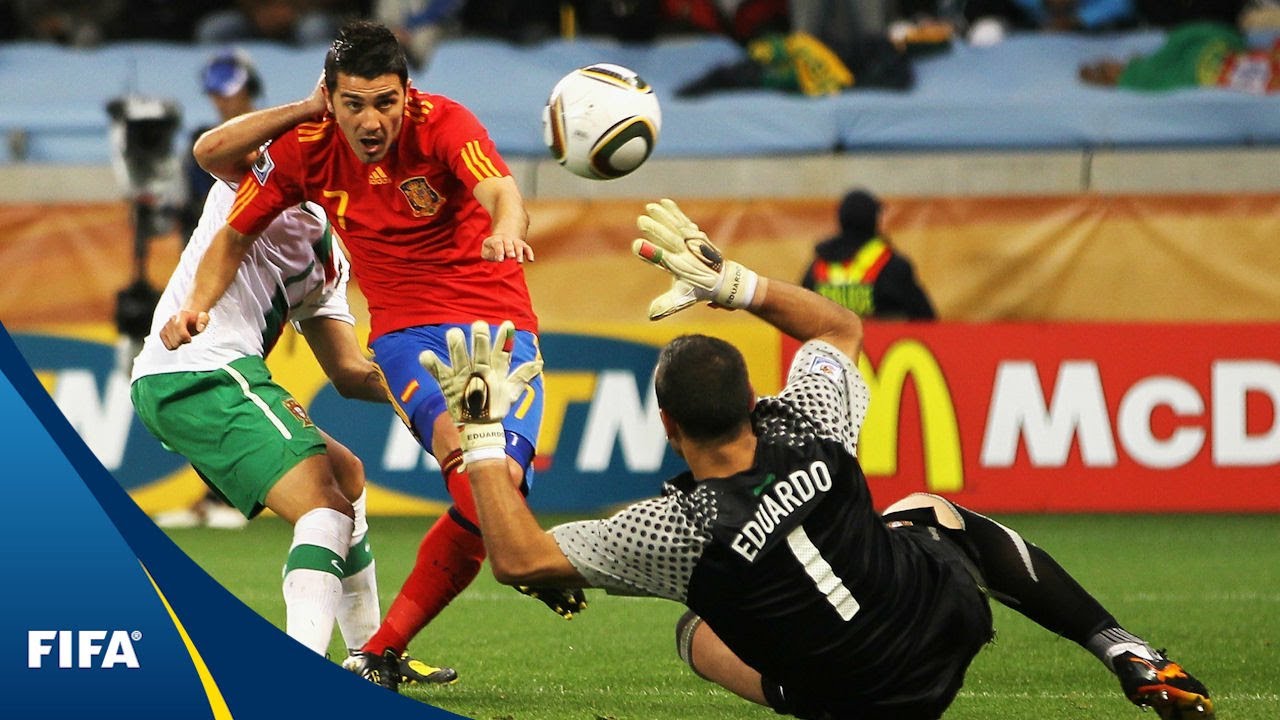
477	388
562	601
676	245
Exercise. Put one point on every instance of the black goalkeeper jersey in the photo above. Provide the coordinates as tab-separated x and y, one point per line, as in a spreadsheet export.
790	564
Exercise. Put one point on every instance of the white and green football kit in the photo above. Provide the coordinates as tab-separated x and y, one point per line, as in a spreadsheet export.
293	272
213	400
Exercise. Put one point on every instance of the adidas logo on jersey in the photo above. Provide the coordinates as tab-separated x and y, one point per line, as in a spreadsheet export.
378	177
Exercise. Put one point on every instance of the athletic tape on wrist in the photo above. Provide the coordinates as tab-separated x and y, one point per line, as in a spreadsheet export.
471	457
737	287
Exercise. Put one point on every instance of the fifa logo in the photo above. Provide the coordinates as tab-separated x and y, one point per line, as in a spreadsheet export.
84	649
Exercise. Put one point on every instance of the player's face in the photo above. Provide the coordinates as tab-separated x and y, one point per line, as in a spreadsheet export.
369	111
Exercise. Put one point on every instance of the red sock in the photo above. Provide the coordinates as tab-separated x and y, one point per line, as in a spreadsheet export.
449	558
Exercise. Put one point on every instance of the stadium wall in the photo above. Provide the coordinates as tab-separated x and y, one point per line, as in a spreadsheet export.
1088	412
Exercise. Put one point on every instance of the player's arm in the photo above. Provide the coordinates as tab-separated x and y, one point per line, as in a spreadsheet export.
214	274
520	551
674	243
501	197
806	315
230	149
334	344
478	392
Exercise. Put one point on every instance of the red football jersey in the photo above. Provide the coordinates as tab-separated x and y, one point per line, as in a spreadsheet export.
411	223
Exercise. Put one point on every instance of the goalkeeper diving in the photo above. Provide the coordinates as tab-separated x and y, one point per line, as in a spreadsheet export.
800	596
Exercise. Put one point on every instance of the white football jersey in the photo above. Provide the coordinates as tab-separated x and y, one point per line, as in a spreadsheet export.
294	271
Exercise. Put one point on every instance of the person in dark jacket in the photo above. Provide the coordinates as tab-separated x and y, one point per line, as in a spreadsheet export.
860	270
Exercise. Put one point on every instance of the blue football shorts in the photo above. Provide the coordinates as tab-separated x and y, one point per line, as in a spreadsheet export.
419	401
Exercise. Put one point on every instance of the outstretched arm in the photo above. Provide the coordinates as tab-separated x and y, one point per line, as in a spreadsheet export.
230	149
674	243
806	315
501	198
478	392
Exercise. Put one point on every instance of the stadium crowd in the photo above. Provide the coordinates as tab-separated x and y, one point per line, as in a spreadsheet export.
89	22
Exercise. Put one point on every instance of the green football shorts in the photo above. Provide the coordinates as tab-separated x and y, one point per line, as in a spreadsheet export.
240	430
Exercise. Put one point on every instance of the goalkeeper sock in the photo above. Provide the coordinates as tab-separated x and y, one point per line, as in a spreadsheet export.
449	558
1029	580
359	612
313	576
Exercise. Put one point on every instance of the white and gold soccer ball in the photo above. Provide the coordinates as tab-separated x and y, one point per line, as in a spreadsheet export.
601	121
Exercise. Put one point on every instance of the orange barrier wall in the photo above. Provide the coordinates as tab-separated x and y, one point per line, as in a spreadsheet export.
1046	416
1078	257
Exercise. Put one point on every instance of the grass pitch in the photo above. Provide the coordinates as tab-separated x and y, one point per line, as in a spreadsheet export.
1207	587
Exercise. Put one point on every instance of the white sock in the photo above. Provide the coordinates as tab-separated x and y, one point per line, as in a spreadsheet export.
321	539
359	613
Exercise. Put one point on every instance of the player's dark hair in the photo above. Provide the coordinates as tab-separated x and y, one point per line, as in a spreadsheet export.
702	383
366	50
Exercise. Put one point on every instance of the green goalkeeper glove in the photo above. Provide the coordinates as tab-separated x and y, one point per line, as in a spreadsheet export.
478	390
701	273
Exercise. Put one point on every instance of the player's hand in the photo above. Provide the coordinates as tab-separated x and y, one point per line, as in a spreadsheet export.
499	247
477	388
674	243
562	601
316	103
181	327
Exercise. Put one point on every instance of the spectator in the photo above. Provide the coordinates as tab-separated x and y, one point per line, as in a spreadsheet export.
1165	14
232	84
294	21
860	270
1055	15
1194	54
418	24
742	20
79	23
172	20
521	21
838	22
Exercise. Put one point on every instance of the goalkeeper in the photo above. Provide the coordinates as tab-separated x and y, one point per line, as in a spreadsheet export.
800	596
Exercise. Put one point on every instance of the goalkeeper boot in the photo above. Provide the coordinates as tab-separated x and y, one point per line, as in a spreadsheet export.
1162	684
413	671
381	670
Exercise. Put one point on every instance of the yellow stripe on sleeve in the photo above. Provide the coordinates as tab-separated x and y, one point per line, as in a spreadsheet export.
466	158
248	191
484	159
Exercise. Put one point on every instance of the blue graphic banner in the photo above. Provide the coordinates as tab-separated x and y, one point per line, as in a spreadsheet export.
103	616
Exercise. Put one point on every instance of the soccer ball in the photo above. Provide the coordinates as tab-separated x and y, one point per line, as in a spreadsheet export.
601	121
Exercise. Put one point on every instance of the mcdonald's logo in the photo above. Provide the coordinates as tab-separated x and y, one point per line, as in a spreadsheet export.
878	445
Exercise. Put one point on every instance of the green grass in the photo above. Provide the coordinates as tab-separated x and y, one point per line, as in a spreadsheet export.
1207	587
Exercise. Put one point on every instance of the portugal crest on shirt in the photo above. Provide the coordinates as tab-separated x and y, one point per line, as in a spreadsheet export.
423	198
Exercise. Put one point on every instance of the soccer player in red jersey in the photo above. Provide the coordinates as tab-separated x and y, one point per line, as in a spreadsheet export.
435	226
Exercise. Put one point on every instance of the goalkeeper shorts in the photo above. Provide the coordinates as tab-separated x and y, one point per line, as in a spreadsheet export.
419	401
239	429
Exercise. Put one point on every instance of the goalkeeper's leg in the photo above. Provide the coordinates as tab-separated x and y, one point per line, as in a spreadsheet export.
1027	579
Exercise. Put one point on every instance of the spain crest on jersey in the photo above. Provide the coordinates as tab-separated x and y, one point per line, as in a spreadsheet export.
423	198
